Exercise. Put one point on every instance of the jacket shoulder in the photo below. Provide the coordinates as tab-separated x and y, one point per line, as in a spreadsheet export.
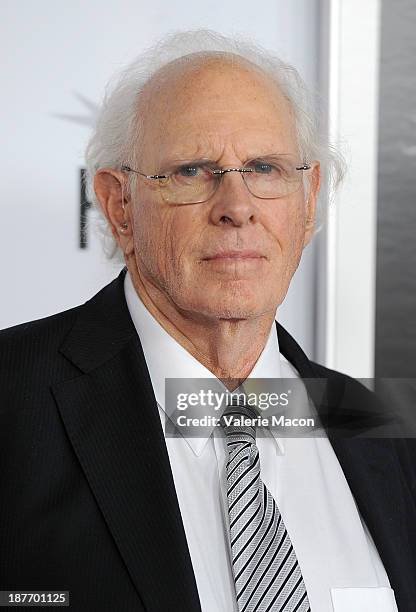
34	355
343	381
49	329
30	359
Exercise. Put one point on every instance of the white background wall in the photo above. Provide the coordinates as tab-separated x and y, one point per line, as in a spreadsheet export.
53	52
346	296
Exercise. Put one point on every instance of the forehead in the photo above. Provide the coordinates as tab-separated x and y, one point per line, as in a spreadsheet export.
207	110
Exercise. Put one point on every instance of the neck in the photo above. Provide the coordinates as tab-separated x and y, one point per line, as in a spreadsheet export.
229	348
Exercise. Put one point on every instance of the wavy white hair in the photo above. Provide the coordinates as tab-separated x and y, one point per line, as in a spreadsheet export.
116	137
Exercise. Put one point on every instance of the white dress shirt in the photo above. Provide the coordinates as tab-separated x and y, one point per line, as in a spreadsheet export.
340	564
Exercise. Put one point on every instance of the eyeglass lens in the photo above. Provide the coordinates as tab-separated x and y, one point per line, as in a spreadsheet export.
267	179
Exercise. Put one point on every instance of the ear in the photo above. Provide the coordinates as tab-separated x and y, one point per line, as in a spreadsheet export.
310	205
111	188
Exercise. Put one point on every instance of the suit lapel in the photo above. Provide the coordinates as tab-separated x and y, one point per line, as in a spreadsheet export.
112	420
374	473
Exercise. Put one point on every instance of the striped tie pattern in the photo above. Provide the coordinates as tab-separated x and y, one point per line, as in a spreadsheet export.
266	571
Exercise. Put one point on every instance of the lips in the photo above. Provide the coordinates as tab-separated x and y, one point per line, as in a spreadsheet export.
242	254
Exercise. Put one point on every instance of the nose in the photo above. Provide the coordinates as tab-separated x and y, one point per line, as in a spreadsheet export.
233	204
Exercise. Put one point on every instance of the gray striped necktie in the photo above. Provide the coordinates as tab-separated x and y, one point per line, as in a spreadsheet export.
266	571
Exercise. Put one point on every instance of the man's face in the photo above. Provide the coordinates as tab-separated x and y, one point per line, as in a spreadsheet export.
234	255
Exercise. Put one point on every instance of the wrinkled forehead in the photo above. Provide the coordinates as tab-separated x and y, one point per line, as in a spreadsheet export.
201	102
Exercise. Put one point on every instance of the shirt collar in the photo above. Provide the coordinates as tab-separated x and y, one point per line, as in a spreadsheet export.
166	358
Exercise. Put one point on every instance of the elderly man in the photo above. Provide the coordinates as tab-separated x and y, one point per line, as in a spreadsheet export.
207	171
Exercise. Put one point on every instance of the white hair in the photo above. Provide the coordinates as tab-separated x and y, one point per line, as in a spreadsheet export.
116	136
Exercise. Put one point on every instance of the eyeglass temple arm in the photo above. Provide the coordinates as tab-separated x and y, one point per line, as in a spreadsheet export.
148	176
221	172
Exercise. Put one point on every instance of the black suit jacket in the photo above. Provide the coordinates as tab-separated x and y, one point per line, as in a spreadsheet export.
87	498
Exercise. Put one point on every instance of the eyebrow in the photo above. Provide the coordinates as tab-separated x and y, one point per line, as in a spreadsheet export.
186	154
190	160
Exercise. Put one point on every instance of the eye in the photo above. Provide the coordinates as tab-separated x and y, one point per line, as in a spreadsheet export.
188	171
263	167
191	174
272	169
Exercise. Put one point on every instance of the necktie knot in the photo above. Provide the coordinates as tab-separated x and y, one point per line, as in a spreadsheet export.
237	422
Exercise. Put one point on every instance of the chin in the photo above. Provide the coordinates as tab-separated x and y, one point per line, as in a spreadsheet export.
231	301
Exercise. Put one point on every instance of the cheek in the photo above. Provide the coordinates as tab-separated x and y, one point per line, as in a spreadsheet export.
287	228
287	225
294	247
163	237
149	222
182	234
